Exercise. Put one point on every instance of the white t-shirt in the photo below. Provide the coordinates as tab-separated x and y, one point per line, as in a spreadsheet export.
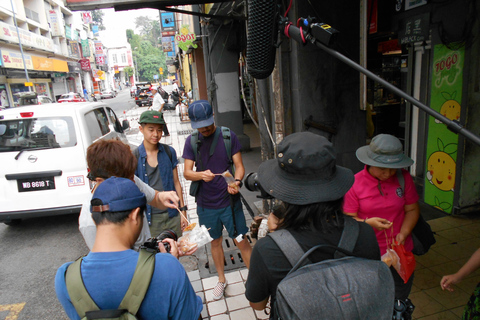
87	226
157	102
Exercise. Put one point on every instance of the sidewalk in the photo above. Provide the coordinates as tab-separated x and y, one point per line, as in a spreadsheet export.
457	238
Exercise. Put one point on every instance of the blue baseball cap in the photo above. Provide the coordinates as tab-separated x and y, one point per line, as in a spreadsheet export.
118	194
201	114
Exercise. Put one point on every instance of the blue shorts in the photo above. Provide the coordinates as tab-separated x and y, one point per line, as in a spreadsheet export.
215	219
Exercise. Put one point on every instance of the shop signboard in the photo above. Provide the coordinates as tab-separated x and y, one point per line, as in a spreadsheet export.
95	30
167	44
55	26
85	64
74	67
12	59
100	59
68	32
87	17
9	34
167	20
40	63
75	51
98	47
414	29
85	48
185	38
445	98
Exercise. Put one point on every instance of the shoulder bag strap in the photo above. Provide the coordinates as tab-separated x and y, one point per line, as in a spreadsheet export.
289	246
401	179
349	237
228	146
140	282
167	151
79	295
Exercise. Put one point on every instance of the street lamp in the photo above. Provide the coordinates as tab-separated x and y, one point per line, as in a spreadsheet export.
135	64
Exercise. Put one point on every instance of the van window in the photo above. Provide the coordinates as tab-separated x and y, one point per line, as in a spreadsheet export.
97	123
113	118
34	133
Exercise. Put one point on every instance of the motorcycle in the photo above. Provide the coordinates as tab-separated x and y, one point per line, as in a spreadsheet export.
93	97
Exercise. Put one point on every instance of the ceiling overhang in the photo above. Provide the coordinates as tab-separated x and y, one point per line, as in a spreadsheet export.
122	5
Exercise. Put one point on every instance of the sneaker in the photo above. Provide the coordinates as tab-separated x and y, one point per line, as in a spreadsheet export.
219	290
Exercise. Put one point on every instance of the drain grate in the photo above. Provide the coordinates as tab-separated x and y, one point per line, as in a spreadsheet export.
233	256
184	132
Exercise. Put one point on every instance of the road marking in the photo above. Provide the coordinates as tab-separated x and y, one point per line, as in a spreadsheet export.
14	310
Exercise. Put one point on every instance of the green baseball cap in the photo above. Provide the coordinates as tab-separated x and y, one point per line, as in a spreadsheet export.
152	116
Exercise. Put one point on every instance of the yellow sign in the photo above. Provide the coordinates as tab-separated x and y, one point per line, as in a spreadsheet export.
161	70
28	84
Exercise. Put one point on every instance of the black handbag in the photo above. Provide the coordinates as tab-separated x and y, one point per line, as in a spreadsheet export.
423	237
194	188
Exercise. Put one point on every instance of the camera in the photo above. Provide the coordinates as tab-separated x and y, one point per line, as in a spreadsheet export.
152	243
252	184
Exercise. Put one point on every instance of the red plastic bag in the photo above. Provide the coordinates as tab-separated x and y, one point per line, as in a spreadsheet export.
407	262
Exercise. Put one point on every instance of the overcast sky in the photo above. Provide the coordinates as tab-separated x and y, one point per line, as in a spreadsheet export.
117	22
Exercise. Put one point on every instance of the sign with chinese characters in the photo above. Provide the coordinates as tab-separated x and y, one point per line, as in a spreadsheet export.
87	17
85	48
12	59
85	64
185	39
414	29
99	59
55	24
9	34
98	47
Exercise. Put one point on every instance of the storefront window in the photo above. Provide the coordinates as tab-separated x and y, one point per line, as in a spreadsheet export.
4	103
17	87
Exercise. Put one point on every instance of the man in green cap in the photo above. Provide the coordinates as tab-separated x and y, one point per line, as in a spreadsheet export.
157	167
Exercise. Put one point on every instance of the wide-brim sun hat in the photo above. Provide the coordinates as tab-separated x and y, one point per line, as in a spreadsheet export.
305	171
384	151
201	114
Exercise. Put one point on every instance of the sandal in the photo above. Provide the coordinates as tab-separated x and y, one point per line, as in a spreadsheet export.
219	290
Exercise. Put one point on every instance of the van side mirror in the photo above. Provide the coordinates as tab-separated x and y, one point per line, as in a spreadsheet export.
125	124
3	128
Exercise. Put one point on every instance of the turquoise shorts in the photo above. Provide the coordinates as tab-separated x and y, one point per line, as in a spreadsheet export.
215	219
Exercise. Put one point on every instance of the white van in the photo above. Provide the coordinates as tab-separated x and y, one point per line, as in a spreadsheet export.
43	169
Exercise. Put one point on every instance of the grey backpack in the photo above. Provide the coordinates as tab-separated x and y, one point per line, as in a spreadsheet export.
346	287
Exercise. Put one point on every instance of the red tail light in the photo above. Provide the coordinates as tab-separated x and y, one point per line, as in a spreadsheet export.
26	114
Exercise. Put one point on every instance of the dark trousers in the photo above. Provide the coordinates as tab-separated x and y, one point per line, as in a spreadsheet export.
165	130
402	290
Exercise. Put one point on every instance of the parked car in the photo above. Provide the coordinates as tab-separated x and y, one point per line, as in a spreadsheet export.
107	94
31	98
43	157
71	97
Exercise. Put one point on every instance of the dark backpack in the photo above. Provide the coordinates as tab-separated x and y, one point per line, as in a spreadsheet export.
128	308
346	287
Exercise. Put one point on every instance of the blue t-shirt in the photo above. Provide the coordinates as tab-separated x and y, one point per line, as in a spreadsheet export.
213	194
107	275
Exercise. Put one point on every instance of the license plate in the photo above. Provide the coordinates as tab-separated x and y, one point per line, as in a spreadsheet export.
36	184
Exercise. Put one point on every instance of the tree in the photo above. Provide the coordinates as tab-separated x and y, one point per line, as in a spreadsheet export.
128	71
97	17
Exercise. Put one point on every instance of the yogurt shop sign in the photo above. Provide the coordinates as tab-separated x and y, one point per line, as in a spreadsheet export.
185	39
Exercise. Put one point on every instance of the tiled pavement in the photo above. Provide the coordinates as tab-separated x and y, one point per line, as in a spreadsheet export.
457	238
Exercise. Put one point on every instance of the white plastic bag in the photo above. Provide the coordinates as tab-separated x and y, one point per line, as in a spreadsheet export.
197	237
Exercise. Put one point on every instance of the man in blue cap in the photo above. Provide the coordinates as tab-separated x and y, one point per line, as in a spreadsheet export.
107	271
217	201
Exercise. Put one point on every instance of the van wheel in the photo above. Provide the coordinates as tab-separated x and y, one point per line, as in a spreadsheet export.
13	222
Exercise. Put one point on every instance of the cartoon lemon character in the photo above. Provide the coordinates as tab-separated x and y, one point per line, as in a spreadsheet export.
450	108
442	167
184	30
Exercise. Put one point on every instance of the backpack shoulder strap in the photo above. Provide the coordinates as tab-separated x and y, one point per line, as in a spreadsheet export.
401	179
228	145
167	151
79	295
349	237
136	153
289	246
193	143
140	282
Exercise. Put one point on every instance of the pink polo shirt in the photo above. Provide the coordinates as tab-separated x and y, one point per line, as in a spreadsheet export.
365	199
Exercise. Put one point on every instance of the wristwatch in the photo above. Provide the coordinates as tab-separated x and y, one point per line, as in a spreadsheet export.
241	183
184	208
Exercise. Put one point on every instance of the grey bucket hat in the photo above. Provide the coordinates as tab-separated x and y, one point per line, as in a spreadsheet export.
384	151
305	171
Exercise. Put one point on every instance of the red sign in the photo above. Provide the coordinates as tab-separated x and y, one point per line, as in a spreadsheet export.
85	64
87	17
372	16
168	33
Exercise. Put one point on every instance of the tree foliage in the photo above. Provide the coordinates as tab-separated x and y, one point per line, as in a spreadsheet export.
128	71
146	48
97	17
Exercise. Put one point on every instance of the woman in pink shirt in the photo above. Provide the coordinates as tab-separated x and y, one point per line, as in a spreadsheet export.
377	198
